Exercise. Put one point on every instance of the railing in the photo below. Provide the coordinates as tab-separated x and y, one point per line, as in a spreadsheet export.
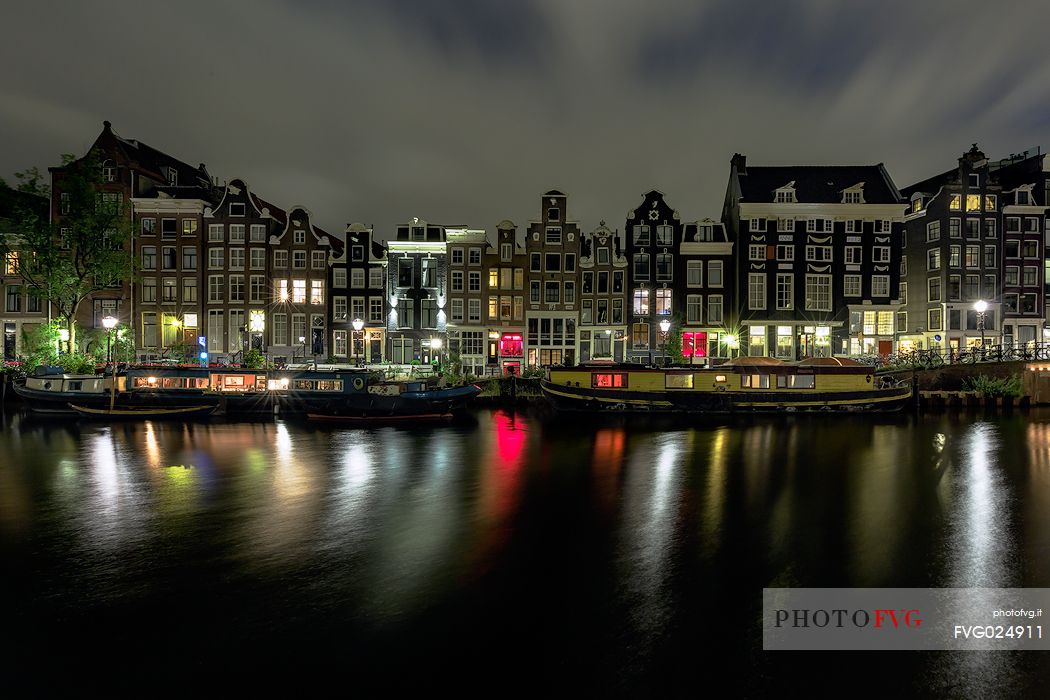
929	359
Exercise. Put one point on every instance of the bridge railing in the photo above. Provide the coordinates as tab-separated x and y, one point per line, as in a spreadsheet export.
928	359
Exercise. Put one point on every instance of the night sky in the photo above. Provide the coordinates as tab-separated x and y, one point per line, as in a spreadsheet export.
465	112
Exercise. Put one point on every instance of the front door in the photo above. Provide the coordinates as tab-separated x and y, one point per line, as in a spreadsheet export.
375	350
493	356
9	341
885	347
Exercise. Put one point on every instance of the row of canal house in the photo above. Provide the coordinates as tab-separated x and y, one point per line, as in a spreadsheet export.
804	261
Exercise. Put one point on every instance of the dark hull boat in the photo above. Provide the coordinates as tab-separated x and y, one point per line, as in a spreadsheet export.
745	385
145	412
376	406
337	394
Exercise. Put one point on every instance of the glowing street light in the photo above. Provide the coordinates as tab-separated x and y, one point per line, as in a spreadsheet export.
981	306
358	324
665	326
109	323
435	344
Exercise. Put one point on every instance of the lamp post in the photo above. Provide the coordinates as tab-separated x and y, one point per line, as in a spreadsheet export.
665	326
731	342
358	324
981	306
435	345
109	323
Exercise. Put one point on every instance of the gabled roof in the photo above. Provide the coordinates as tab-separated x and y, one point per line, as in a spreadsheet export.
156	162
818	183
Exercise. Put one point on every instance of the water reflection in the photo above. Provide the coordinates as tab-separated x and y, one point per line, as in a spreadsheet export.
609	543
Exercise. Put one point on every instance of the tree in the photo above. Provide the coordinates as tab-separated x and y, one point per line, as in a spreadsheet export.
65	263
674	341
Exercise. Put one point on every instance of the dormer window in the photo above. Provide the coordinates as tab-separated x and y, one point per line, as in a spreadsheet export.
173	177
553	214
916	203
785	194
706	233
236	208
1024	195
853	195
975	180
109	171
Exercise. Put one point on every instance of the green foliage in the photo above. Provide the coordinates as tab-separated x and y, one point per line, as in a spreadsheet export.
181	352
76	363
40	346
124	344
674	341
64	270
254	359
533	373
995	387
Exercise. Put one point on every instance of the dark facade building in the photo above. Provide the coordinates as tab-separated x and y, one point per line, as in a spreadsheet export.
234	272
603	296
954	245
416	287
704	293
300	255
1025	205
818	255
358	289
505	266
553	247
654	235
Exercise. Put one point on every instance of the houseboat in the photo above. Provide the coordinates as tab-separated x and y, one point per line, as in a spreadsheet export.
747	384
243	392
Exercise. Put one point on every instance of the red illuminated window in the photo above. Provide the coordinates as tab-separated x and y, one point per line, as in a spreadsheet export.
610	380
510	345
694	344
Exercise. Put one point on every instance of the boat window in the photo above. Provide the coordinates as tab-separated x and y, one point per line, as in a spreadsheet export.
319	384
796	381
678	381
75	386
609	380
276	384
720	377
755	381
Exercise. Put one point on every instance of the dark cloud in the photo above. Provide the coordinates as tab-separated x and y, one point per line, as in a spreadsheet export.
465	112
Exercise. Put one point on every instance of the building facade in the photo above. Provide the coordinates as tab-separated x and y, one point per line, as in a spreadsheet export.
234	284
417	291
467	330
300	255
954	258
818	254
22	312
704	293
358	287
132	170
603	296
654	235
553	248
505	265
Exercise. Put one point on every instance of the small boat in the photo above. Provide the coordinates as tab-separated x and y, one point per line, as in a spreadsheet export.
742	385
145	412
329	418
50	390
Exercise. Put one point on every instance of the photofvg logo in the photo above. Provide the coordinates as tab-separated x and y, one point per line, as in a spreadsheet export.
806	617
904	618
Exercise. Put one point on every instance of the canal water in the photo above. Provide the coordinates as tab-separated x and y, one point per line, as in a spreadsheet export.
504	552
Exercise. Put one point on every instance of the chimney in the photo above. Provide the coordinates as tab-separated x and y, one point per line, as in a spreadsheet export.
739	161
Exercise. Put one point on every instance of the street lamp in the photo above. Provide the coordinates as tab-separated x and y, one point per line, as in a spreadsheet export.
665	326
980	306
358	324
435	345
109	323
731	341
